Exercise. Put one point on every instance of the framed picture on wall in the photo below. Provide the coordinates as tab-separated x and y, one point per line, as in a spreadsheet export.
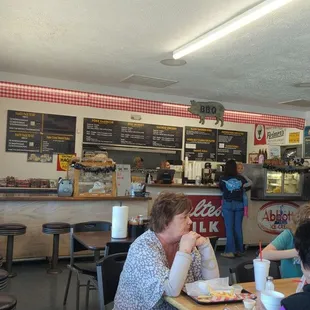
253	158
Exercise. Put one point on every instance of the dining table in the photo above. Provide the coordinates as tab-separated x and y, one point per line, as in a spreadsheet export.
183	302
96	241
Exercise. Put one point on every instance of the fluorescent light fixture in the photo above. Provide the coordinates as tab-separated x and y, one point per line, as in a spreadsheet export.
234	24
243	113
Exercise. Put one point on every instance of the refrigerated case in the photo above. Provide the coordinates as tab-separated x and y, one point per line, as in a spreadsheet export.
274	185
284	184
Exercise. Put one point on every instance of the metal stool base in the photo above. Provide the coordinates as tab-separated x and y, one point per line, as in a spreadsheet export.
54	271
12	275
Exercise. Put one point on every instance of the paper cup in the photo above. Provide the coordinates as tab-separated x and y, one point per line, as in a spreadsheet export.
249	304
261	272
271	299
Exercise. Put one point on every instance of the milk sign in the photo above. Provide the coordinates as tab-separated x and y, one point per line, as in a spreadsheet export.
206	215
208	109
273	217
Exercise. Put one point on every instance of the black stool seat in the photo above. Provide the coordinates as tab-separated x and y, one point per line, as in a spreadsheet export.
12	229
56	228
3	275
7	302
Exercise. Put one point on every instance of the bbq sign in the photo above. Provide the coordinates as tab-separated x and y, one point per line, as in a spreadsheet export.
273	217
206	216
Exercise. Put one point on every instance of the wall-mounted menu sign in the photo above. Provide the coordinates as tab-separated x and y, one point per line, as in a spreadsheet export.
40	133
200	143
231	145
135	134
307	142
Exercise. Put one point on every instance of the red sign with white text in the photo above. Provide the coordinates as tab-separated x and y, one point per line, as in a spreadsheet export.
206	215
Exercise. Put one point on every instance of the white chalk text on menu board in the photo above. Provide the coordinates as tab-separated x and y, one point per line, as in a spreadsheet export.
232	145
102	131
200	143
40	133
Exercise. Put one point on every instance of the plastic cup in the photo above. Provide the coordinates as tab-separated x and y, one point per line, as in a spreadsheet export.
249	304
261	272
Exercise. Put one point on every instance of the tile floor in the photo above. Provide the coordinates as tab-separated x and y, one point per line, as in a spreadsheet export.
36	290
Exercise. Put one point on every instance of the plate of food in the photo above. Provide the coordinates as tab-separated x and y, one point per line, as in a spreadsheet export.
218	297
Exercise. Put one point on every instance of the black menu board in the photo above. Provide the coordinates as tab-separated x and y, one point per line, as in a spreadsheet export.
307	142
128	133
200	143
231	145
40	133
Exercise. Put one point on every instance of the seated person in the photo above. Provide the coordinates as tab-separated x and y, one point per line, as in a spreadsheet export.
301	301
165	257
282	247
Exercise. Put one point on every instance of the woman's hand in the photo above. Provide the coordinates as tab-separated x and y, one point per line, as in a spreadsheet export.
188	242
201	241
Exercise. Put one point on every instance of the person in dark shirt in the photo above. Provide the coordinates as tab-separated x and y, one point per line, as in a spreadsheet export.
233	185
301	301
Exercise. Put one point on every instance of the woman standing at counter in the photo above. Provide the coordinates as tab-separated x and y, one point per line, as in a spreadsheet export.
232	184
282	248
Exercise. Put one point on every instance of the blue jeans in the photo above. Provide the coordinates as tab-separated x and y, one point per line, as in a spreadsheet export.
233	216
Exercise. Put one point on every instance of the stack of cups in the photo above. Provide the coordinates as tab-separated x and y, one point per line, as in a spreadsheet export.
261	272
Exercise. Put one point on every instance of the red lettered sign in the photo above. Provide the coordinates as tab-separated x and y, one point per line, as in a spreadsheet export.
206	215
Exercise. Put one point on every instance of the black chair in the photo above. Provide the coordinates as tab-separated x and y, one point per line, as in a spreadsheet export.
7	302
88	269
116	247
109	270
3	279
55	229
11	230
244	272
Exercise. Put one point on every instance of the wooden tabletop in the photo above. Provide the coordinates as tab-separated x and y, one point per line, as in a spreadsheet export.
285	286
97	240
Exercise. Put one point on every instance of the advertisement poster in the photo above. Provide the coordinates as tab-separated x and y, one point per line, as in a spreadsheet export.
63	161
294	138
275	135
274	151
206	215
260	135
273	217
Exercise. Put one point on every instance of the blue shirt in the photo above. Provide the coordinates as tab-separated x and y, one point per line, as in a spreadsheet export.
285	241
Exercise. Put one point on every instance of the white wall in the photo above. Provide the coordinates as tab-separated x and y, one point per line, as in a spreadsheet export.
15	164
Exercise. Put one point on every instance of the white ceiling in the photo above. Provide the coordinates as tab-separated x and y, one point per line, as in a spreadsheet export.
104	41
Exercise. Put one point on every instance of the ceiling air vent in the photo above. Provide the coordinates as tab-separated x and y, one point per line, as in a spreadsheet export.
148	81
300	103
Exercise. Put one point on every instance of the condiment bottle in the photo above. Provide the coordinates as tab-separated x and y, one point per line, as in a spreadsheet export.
269	284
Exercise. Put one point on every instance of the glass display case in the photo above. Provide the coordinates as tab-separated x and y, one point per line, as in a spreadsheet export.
281	183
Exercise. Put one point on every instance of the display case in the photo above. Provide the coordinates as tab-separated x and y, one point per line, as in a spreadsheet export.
281	183
275	184
94	179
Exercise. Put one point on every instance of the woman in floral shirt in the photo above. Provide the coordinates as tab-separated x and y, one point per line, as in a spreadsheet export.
165	257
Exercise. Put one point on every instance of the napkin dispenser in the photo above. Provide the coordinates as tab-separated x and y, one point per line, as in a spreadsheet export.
65	188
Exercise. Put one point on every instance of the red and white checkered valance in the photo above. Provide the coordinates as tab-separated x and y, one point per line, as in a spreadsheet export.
53	95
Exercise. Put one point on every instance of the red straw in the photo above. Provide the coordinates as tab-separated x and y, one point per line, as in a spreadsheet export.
260	251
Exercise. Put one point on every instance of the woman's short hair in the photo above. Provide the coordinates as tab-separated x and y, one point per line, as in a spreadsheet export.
302	243
302	215
165	207
231	168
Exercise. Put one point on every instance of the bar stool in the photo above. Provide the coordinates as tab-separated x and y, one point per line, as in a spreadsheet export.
11	230
7	302
55	229
3	279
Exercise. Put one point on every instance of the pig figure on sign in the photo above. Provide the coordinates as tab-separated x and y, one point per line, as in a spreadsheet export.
208	109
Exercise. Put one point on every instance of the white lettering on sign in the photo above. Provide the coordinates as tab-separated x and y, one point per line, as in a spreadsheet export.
213	227
202	228
204	209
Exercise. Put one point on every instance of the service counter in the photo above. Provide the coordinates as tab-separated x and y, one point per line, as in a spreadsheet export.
266	218
35	210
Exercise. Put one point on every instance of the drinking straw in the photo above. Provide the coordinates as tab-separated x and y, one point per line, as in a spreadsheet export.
260	251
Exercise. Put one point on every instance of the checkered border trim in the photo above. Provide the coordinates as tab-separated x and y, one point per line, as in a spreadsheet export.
78	98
